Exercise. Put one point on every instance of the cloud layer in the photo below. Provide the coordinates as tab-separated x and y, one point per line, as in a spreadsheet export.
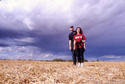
41	26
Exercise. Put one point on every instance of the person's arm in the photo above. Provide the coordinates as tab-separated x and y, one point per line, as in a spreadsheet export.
74	42
84	42
69	44
74	45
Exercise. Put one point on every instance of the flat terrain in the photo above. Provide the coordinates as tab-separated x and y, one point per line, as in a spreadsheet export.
38	72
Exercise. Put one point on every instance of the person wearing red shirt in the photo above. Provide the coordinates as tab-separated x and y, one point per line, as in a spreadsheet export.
79	45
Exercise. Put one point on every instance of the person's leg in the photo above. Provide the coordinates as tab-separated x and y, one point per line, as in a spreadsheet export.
81	56
74	57
78	56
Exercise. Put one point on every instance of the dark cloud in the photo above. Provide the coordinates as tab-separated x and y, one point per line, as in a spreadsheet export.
8	33
45	27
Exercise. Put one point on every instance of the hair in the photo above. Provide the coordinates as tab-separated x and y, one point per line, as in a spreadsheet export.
71	27
81	32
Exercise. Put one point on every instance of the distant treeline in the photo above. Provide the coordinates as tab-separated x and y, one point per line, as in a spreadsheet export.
62	60
54	60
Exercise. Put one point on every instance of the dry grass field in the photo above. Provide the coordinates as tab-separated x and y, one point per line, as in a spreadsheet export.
38	72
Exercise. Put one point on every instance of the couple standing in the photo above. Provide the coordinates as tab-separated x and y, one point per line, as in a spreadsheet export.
77	45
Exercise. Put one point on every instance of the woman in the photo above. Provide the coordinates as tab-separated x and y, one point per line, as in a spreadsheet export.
79	45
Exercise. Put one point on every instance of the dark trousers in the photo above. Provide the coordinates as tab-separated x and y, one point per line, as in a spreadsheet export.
79	53
74	57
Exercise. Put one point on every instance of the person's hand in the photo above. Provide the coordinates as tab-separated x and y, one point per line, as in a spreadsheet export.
74	48
84	47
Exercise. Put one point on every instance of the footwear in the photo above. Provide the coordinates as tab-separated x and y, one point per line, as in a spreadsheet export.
81	64
78	65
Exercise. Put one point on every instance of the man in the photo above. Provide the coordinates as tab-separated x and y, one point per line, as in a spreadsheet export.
71	34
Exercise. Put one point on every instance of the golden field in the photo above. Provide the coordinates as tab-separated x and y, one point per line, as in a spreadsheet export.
39	72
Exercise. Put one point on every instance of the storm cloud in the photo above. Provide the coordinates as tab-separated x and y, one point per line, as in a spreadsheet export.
41	27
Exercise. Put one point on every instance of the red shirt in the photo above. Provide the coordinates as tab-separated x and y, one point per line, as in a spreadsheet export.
79	38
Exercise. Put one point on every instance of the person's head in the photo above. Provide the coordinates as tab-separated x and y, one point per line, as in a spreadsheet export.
79	30
71	28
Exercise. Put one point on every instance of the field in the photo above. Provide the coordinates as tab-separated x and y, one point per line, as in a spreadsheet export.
39	72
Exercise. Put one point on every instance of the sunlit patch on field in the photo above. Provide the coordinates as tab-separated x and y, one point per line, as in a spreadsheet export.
38	72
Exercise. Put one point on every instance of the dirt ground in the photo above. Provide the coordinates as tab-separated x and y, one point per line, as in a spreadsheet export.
38	72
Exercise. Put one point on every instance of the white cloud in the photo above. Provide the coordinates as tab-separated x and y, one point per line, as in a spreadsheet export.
38	13
25	39
28	23
12	5
111	56
26	52
25	11
17	41
17	52
47	55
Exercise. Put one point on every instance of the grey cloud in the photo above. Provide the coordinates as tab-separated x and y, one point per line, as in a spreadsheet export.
101	20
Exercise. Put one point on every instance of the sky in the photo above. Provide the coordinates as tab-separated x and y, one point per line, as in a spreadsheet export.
39	29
